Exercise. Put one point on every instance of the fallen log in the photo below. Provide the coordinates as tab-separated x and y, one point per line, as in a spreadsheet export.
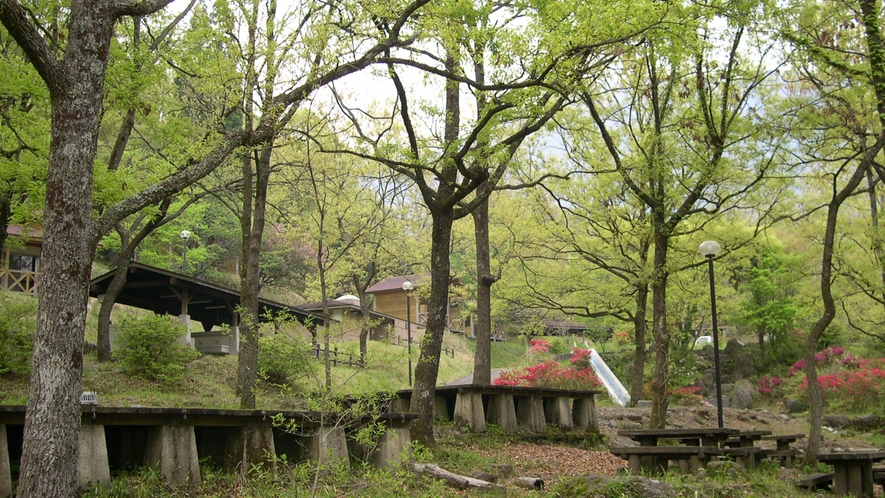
535	483
458	481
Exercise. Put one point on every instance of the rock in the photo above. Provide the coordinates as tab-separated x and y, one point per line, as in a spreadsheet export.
502	469
740	360
636	417
742	397
644	403
794	405
867	422
485	476
784	417
652	488
837	421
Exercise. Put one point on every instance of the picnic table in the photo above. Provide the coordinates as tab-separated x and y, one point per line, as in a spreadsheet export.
746	439
699	444
853	470
703	436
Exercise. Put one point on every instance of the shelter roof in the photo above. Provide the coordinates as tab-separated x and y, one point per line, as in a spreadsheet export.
162	291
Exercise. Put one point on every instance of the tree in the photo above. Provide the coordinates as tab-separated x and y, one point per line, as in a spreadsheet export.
673	128
75	79
846	60
451	162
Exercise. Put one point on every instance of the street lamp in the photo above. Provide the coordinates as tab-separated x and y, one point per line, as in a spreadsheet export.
407	286
709	250
185	235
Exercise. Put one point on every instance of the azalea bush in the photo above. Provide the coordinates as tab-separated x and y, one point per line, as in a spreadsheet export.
771	386
550	374
539	345
686	396
848	384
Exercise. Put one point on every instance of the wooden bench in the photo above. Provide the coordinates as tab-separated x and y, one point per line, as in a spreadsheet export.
783	450
745	456
819	480
653	459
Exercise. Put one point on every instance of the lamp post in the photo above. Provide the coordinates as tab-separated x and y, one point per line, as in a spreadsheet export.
185	235
709	250
407	286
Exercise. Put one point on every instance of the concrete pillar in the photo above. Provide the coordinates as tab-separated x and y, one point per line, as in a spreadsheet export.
112	335
250	449
531	413
469	411
328	445
391	447
173	451
235	340
440	408
92	464
399	405
559	412
5	474
185	320
502	412
584	414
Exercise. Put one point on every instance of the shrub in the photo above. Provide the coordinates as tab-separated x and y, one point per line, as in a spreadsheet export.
17	325
281	358
550	374
149	347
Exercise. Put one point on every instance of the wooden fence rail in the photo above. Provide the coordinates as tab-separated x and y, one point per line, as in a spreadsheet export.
19	281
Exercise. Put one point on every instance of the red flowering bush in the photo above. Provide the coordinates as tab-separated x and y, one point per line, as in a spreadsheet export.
688	395
847	383
550	374
622	337
769	385
539	345
580	357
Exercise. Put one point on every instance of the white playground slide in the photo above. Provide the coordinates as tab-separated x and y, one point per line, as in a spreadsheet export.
614	387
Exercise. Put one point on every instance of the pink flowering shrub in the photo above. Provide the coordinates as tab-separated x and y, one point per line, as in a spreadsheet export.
580	357
539	345
687	396
550	374
769	384
847	383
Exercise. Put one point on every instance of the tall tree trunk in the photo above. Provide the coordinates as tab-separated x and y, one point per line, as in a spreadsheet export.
107	306
660	331
427	370
5	216
365	322
51	434
482	325
637	373
255	206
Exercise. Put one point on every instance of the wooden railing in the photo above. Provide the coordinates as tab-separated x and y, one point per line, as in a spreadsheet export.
19	281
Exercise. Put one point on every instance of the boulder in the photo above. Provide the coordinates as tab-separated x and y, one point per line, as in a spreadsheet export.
795	405
867	422
837	421
739	361
742	397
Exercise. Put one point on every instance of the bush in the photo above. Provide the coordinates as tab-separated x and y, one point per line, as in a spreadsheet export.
17	325
281	358
149	347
